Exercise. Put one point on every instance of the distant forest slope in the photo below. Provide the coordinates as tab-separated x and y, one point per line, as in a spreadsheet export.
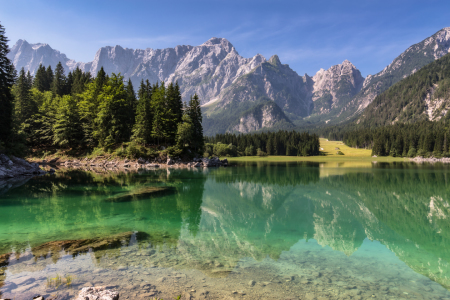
424	95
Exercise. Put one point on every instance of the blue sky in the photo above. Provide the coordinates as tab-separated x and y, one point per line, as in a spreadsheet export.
307	35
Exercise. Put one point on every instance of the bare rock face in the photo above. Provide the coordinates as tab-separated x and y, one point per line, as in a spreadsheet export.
335	85
12	167
262	116
97	293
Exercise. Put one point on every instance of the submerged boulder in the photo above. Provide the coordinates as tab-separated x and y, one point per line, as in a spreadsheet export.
142	193
97	293
75	247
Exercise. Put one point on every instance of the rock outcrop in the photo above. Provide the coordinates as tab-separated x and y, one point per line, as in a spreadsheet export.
12	167
333	88
265	115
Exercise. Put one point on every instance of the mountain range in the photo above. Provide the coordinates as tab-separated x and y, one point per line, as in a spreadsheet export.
247	94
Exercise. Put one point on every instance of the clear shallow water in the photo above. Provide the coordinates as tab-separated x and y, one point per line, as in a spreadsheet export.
297	230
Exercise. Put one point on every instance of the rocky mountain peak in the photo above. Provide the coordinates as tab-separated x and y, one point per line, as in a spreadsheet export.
222	42
335	86
275	60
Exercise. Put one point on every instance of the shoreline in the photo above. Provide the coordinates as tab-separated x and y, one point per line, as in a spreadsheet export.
123	164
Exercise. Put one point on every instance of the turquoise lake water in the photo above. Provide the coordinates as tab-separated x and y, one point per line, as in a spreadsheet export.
250	231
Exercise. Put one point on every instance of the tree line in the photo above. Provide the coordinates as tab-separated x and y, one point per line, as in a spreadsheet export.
53	111
289	143
424	138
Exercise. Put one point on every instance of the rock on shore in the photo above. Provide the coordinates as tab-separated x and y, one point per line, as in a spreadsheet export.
12	166
420	159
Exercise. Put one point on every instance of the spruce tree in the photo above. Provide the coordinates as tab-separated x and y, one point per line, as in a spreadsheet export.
6	82
59	81
174	112
49	78
89	107
160	112
40	79
24	104
132	102
67	127
195	113
80	80
29	79
112	119
142	129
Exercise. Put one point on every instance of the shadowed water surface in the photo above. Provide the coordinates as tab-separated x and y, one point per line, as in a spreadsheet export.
251	231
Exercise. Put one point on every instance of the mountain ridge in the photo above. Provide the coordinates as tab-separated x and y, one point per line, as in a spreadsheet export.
230	85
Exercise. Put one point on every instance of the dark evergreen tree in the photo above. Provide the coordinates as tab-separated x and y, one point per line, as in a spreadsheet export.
132	102
6	98
24	104
174	112
195	114
59	81
67	128
40	81
49	78
142	129
29	79
80	80
89	107
160	110
112	119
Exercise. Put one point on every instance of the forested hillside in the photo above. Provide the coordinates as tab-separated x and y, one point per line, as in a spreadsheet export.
421	96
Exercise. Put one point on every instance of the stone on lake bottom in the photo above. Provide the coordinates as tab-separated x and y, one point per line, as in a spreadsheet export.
97	293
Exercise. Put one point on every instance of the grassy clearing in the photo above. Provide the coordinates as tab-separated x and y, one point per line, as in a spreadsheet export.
352	157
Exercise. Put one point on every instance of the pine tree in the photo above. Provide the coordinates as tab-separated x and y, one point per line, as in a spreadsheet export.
88	107
80	80
158	106
132	103
142	129
42	133
24	105
29	79
40	79
59	81
178	104
67	128
6	83
112	119
195	113
174	112
68	84
49	79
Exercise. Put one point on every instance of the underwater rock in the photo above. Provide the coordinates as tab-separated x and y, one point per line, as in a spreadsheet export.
142	193
97	293
75	247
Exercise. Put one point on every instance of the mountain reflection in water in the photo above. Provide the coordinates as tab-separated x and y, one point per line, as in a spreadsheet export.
213	219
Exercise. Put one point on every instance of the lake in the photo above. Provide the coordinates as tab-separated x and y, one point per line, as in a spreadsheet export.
249	231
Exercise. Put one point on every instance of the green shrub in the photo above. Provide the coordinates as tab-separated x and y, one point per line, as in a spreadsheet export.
259	152
412	152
